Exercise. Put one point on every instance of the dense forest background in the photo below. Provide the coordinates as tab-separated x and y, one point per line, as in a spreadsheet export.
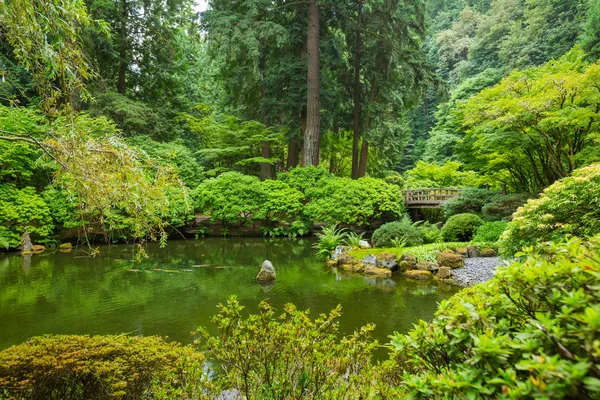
502	92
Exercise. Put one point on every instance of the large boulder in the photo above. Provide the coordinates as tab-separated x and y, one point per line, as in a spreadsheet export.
387	260
363	244
427	266
418	275
444	273
267	272
461	250
339	250
346	258
407	262
452	260
488	253
371	260
375	271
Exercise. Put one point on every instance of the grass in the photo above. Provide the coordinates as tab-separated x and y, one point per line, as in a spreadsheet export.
424	252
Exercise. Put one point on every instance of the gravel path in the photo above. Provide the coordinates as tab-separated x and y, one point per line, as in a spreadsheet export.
476	270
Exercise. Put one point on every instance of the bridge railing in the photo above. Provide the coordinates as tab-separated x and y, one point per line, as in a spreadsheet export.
433	196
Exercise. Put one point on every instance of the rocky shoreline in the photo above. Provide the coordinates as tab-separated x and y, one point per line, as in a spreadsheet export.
460	266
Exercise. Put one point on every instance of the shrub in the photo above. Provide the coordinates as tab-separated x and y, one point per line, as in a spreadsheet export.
469	201
303	178
404	230
460	227
489	231
23	210
432	175
98	367
353	202
429	233
503	207
569	207
290	356
531	332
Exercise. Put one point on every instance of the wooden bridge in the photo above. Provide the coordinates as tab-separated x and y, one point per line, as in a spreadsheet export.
428	198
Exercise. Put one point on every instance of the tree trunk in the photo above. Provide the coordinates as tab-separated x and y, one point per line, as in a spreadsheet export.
356	112
364	154
122	48
313	117
266	170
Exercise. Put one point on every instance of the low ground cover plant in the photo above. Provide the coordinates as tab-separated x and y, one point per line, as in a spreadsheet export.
490	231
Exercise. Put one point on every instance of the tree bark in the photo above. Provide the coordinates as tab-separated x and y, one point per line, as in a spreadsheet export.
122	48
364	154
266	170
357	88
313	118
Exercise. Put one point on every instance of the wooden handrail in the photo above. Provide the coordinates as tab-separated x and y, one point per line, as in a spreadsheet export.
431	196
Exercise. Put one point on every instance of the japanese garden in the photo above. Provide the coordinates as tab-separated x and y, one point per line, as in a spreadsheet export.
313	199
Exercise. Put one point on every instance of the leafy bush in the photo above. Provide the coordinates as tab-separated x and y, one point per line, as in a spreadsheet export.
569	207
354	202
448	175
235	198
469	201
531	332
99	367
304	178
353	239
429	232
23	210
402	230
460	227
503	207
329	238
289	357
490	231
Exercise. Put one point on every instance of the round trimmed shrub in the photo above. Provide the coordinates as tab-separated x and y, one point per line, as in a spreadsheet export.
568	207
98	367
461	227
490	231
404	230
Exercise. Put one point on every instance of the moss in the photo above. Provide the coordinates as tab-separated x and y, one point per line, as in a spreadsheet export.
425	252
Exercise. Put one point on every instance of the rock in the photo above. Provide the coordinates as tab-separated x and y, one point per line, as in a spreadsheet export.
26	245
339	250
346	258
407	262
427	266
462	251
267	272
65	246
418	275
488	253
37	248
452	260
331	262
363	244
375	271
387	260
444	273
370	259
353	267
472	251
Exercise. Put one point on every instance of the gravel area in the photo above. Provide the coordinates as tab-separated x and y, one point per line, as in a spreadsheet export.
476	270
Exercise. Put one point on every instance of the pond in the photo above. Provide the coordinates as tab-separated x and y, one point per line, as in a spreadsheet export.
178	288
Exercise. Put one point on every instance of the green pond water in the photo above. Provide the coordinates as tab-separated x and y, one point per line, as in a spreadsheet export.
71	293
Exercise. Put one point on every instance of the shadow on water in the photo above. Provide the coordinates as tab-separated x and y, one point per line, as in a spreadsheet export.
179	287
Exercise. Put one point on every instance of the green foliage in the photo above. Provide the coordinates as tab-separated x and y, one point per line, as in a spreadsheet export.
461	227
490	231
469	201
99	367
23	210
449	175
503	207
354	202
530	332
289	356
304	178
404	230
536	125
567	208
429	232
328	239
353	239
